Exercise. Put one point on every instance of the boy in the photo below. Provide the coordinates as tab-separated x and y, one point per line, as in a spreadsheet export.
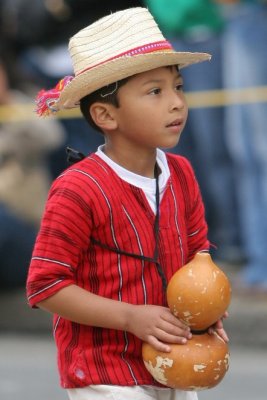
120	222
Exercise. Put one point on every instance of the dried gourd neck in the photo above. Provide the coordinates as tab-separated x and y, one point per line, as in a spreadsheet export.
199	332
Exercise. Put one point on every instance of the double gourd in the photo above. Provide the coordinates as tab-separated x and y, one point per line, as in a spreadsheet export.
198	294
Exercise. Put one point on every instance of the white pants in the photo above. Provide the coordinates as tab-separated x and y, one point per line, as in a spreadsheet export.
113	392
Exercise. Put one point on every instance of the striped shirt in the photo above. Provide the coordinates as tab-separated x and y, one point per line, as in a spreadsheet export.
90	203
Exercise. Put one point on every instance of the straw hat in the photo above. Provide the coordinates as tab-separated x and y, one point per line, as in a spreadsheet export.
117	46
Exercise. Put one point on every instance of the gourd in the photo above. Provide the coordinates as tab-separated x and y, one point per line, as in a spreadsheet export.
198	294
199	364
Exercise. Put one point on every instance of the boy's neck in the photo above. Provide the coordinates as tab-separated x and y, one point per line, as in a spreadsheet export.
141	163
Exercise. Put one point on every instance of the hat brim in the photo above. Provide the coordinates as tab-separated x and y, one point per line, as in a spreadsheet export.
120	68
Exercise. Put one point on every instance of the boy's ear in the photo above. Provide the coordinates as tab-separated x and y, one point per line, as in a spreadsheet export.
103	116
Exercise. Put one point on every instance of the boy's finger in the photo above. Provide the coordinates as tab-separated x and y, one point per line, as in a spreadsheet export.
157	345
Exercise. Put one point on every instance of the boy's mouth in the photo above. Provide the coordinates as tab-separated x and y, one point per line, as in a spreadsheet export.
177	122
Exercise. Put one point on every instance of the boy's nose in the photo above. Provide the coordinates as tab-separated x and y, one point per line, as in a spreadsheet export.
177	101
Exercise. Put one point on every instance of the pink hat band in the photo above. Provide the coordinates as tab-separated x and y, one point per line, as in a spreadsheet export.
148	48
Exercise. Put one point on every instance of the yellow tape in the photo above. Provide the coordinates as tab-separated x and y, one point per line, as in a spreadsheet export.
202	99
217	98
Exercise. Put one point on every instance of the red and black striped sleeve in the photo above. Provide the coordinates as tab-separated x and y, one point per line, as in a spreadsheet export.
63	236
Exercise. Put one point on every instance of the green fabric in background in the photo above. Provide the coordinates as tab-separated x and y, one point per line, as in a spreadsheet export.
179	17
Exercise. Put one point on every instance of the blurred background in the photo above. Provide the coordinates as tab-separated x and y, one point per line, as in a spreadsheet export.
225	140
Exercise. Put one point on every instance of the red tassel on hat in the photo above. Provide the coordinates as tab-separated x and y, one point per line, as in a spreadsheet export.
46	99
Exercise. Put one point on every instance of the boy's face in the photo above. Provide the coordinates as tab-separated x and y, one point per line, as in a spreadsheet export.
153	109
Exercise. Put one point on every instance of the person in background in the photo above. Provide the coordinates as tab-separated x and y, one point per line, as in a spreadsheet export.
192	25
24	179
245	67
43	57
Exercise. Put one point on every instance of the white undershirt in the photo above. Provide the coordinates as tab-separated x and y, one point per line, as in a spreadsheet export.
148	185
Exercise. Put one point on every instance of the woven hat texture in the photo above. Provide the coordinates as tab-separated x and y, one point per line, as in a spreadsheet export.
115	47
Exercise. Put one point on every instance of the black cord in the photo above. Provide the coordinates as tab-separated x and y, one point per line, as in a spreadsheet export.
153	259
74	156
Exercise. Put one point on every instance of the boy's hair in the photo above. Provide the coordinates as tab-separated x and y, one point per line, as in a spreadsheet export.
107	94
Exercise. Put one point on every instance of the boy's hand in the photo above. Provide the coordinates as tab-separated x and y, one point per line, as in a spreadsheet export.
157	326
218	327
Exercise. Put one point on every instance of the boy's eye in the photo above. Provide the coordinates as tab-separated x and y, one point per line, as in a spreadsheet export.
155	91
179	87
